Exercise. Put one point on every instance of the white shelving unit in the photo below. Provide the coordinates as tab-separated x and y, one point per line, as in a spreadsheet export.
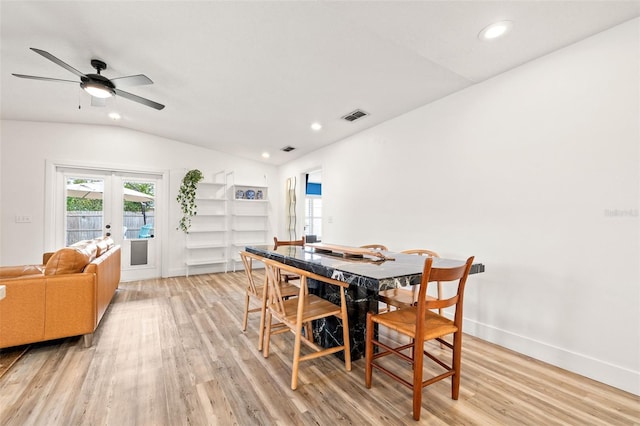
249	218
207	241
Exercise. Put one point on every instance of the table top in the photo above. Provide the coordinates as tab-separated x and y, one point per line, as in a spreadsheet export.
405	269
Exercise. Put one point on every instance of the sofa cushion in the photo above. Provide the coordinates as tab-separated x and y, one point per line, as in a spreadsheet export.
102	245
88	246
110	242
69	260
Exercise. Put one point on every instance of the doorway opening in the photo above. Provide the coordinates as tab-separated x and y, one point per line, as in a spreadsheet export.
313	206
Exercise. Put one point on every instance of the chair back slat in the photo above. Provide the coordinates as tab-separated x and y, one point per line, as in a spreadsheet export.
247	261
447	274
275	297
277	243
421	252
441	303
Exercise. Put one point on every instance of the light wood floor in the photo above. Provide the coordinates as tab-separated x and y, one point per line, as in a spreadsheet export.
171	352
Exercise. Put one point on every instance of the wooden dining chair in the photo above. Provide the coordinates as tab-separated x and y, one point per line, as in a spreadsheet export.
295	313
375	247
257	290
402	297
420	324
279	243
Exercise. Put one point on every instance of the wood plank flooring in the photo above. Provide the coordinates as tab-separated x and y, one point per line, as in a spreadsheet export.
171	352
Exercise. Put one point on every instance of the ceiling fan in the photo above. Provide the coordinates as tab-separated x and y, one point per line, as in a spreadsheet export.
98	86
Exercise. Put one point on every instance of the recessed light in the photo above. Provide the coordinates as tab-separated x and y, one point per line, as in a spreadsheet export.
265	155
495	30
316	127
114	116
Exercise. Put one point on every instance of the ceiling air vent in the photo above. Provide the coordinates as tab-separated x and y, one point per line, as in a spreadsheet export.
287	148
355	115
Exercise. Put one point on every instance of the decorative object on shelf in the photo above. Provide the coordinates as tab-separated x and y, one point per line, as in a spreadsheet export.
259	195
187	198
250	194
239	194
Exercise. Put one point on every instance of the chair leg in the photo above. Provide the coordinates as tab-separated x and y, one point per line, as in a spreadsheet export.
368	351
418	358
296	356
308	331
345	331
263	314
440	310
246	312
456	362
267	336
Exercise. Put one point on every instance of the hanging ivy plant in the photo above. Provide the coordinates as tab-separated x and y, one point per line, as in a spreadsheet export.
187	198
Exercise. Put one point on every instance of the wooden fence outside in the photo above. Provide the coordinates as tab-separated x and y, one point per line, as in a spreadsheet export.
86	225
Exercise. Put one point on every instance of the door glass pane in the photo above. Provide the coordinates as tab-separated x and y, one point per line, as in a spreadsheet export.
313	217
84	209
138	209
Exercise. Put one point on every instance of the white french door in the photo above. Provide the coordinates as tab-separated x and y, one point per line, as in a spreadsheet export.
90	203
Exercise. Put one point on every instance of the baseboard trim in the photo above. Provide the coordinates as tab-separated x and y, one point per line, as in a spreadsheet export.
601	371
197	270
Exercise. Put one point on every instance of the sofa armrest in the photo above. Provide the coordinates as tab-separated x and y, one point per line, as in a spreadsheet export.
22	311
70	305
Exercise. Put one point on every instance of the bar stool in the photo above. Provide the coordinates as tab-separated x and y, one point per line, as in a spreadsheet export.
295	313
420	324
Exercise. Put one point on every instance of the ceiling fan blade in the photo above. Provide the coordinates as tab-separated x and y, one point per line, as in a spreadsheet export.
139	99
34	77
53	59
131	80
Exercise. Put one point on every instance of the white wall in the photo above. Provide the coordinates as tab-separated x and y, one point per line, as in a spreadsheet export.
526	172
25	147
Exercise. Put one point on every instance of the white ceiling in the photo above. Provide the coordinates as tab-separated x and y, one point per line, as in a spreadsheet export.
248	77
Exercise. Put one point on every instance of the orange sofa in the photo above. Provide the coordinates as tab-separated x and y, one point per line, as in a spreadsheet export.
65	296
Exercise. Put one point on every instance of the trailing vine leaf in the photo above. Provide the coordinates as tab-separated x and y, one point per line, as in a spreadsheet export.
187	198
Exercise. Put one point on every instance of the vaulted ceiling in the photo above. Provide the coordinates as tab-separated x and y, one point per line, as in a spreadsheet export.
250	77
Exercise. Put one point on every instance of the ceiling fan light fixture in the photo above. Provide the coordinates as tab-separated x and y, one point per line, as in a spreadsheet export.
495	30
98	90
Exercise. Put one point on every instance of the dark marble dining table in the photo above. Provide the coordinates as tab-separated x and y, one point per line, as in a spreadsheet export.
366	277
